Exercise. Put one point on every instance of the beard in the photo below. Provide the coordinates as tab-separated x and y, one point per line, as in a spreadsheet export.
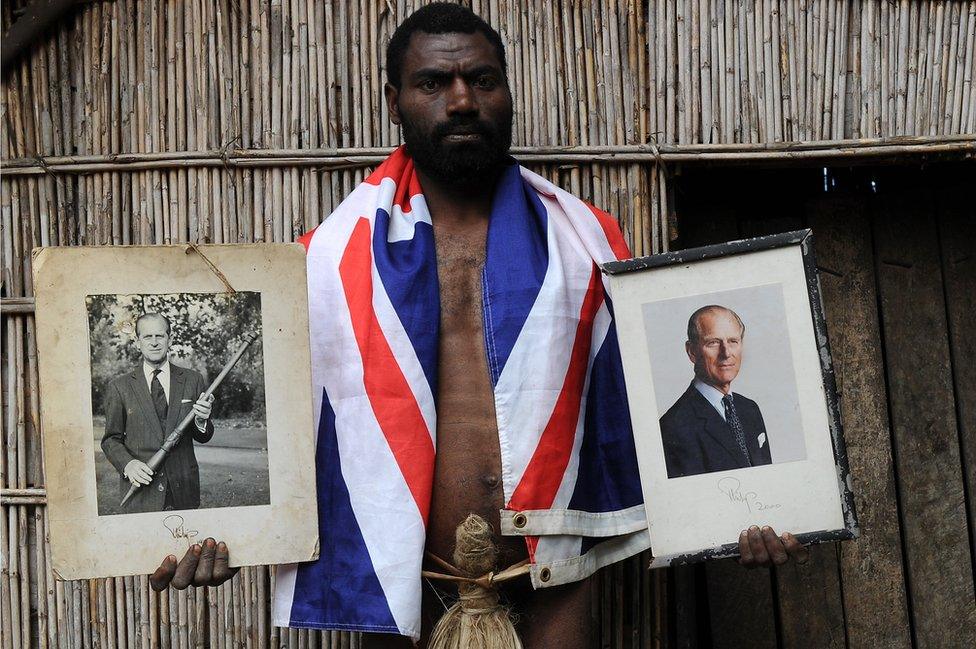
459	163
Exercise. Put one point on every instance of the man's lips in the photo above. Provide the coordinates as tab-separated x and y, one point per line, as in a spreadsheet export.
463	137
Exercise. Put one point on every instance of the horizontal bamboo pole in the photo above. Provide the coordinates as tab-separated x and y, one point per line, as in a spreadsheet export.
27	492
23	496
23	500
359	157
13	305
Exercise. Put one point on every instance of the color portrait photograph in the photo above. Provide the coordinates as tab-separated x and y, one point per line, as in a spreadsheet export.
732	396
727	386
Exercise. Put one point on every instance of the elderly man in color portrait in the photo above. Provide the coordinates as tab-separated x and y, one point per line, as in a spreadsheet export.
710	427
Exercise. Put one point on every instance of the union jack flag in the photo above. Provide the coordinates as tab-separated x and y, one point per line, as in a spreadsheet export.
569	469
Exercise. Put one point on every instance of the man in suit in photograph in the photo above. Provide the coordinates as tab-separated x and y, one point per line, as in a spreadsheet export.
145	405
710	427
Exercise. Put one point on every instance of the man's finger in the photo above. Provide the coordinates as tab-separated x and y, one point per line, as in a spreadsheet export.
795	549
774	546
204	573
160	579
745	553
187	567
221	568
759	555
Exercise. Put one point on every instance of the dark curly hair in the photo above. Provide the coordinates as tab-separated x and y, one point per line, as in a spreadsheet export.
437	18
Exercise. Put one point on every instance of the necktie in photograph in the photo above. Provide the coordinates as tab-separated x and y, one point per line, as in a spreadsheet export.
158	396
732	419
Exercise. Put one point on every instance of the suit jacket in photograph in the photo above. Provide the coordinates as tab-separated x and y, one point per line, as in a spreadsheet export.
133	431
698	440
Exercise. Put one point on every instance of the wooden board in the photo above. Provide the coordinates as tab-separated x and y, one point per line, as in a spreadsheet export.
740	606
923	418
873	581
957	233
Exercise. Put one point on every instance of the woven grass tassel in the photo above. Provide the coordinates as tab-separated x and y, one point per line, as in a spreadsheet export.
477	620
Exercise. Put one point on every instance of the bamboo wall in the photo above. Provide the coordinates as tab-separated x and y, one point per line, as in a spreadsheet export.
166	121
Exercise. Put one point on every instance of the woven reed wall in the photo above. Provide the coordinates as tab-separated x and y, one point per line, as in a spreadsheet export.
166	121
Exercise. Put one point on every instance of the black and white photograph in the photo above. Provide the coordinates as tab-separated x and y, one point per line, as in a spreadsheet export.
731	393
193	412
158	380
727	385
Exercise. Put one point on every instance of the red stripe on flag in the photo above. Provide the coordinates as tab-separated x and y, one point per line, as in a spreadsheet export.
306	239
544	473
612	232
399	168
389	393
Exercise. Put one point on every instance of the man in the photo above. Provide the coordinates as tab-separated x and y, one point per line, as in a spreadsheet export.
502	243
142	408
710	428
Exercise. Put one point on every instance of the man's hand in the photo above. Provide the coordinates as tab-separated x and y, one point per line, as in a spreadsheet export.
202	565
762	548
202	408
138	473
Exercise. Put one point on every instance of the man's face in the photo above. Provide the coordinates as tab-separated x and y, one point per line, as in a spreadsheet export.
717	354
454	106
153	340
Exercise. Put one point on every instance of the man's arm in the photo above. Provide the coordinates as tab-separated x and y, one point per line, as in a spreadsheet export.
113	441
203	428
682	454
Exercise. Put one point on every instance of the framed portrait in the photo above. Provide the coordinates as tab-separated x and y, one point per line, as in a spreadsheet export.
189	413
731	393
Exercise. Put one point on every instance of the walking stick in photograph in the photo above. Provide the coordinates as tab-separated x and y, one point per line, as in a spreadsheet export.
174	438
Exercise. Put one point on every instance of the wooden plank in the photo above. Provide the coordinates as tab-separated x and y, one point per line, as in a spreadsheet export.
788	589
923	418
685	613
740	602
740	606
873	581
957	232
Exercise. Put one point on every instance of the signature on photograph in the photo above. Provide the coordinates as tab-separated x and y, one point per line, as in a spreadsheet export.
732	489
174	523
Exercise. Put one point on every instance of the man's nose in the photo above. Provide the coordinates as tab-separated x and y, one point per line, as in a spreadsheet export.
461	98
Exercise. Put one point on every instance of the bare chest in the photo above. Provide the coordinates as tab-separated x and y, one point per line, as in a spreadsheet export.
467	476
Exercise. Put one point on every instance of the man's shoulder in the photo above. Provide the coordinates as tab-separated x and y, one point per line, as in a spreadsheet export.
681	410
186	372
119	380
742	401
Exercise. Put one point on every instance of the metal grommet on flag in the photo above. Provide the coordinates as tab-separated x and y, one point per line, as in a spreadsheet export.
519	520
545	575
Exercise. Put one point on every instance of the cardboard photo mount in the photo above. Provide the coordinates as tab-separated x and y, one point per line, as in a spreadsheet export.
698	517
85	545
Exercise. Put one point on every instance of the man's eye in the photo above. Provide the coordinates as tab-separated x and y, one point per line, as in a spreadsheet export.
429	84
485	81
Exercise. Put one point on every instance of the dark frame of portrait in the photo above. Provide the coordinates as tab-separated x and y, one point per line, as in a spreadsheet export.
803	240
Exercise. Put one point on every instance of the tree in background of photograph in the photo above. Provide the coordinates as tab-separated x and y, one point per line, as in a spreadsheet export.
206	327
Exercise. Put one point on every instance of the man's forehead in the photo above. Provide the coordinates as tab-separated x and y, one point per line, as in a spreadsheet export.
152	324
449	50
714	319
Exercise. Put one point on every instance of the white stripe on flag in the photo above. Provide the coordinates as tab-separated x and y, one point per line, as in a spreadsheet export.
601	324
404	353
380	498
533	376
